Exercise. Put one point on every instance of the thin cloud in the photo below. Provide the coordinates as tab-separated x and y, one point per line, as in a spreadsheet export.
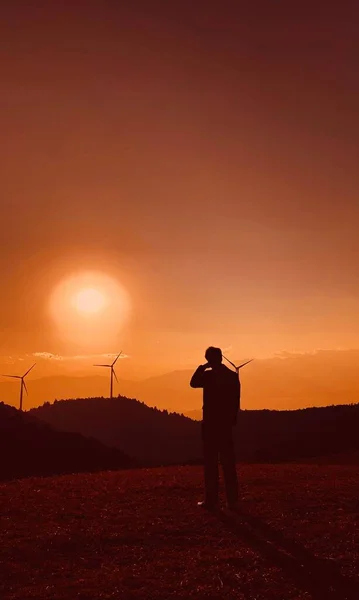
94	356
47	356
283	354
77	357
228	349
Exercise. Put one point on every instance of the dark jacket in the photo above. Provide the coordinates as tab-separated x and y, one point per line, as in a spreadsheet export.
221	394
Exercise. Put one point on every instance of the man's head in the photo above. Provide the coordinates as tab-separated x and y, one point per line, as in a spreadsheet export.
213	356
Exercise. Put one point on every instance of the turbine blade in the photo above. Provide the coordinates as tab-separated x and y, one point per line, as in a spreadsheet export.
114	372
244	364
116	359
229	361
102	366
27	372
12	376
24	384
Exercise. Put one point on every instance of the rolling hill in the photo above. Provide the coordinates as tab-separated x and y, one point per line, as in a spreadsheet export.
152	436
158	437
30	447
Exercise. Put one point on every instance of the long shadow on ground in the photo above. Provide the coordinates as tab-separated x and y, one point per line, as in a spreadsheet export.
319	577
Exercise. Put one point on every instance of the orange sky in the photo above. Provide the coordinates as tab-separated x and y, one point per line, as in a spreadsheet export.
205	155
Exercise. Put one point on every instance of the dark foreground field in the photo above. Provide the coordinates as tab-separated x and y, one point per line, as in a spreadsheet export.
139	535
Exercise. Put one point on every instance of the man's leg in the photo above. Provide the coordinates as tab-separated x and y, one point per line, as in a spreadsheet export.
210	456
228	461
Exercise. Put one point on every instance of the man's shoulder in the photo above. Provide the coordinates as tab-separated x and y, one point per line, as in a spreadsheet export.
229	371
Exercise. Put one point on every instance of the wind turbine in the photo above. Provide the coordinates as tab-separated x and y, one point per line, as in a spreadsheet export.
237	371
22	384
113	373
239	366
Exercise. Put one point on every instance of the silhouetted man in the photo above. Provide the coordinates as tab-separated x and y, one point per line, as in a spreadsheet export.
221	393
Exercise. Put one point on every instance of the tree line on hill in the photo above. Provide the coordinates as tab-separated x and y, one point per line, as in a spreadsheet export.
156	437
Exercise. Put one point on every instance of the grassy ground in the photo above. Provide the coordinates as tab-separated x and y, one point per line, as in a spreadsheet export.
139	535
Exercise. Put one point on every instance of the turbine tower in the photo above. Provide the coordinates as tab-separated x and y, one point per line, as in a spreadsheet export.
113	373
22	384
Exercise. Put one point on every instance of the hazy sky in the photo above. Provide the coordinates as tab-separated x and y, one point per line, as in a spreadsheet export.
204	154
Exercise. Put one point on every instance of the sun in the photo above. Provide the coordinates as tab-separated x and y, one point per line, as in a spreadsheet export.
90	308
89	301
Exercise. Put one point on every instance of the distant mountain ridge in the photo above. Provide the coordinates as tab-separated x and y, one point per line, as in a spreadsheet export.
290	381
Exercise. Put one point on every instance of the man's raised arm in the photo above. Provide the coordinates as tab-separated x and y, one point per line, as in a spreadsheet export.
197	379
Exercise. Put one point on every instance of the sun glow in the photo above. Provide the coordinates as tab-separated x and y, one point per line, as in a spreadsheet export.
89	301
90	309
